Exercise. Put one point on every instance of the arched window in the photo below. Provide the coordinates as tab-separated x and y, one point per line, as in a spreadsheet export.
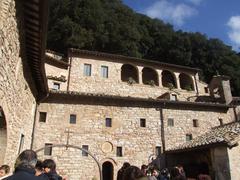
3	135
186	82
150	76
168	79
129	73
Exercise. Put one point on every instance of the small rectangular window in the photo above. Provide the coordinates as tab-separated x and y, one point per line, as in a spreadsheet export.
158	150
42	116
170	122
108	122
119	151
104	71
87	69
173	97
195	123
206	89
56	86
142	122
188	137
48	149
73	118
220	121
21	143
85	147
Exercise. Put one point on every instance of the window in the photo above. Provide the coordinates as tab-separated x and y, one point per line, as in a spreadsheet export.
206	89
87	69
188	137
142	122
73	118
170	122
119	151
104	71
108	122
195	123
85	147
173	97
220	121
56	86
21	143
42	116
158	150
48	149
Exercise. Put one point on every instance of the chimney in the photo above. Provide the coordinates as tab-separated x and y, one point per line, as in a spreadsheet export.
220	89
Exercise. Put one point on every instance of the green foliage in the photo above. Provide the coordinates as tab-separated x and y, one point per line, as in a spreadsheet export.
109	26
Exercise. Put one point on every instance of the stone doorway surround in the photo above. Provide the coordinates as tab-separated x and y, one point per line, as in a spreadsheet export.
75	147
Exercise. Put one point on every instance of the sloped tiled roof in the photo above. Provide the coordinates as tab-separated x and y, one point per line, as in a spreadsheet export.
228	134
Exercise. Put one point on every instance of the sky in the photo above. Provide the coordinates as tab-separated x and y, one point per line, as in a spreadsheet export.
214	18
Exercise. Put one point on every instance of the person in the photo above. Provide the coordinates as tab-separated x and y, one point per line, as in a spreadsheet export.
121	170
144	169
132	173
25	167
4	171
49	167
39	170
176	175
164	174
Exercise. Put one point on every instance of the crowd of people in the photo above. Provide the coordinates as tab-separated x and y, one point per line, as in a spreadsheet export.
150	172
28	167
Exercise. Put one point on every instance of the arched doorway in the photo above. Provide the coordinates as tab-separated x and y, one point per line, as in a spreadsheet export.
3	136
107	170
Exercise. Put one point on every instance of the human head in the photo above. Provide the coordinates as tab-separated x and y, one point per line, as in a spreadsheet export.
39	168
27	159
155	172
144	169
4	170
49	165
125	165
132	173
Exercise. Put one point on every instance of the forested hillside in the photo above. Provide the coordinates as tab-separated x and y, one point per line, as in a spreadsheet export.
110	26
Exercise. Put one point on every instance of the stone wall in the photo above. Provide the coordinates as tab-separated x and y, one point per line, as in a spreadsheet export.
138	143
234	159
113	84
16	97
183	124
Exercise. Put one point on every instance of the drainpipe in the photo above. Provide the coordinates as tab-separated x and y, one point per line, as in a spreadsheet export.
33	128
235	113
69	72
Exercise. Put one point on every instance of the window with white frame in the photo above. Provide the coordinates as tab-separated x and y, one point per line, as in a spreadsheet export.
56	86
87	69
104	71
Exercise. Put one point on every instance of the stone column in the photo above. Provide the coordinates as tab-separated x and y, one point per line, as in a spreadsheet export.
140	68
159	72
177	79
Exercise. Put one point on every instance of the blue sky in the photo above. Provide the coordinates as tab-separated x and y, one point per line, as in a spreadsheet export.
215	18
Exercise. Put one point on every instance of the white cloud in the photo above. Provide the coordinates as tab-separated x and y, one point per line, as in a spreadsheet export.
196	2
234	33
169	12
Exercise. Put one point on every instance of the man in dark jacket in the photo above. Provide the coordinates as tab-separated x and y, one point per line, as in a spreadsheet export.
25	167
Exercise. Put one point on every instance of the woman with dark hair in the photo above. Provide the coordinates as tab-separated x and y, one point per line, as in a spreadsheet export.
121	170
49	167
132	173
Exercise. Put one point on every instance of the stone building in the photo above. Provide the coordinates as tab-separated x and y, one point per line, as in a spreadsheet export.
22	76
118	108
126	109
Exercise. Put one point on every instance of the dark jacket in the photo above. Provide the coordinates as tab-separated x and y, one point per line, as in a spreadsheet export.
53	176
23	173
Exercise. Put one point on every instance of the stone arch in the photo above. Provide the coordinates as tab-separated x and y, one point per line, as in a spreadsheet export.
107	170
168	79
186	82
150	76
129	73
3	135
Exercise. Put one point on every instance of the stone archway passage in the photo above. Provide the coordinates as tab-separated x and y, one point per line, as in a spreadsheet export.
107	170
3	136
